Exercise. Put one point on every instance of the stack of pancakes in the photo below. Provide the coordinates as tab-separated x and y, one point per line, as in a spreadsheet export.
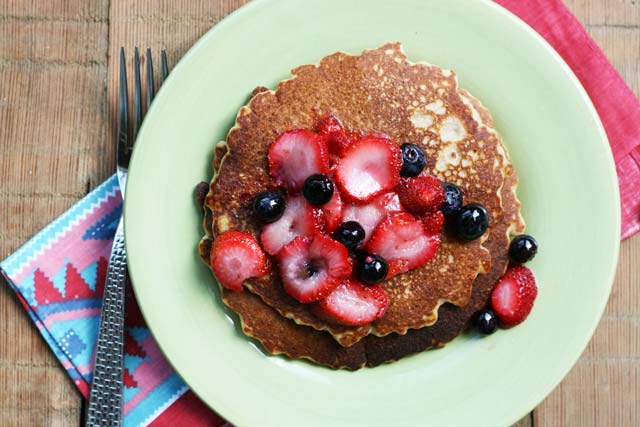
377	91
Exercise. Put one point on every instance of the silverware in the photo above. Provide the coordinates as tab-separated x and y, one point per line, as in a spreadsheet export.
105	400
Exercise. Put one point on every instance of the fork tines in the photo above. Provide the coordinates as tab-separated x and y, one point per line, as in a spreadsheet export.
127	136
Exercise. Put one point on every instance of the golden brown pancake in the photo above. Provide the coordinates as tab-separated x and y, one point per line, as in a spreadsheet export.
300	342
378	91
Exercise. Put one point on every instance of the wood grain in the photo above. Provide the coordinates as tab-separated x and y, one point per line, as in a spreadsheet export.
58	64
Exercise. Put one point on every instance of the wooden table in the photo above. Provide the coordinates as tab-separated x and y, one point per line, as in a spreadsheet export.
57	93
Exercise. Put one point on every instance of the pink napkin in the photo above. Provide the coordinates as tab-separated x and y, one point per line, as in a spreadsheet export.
617	106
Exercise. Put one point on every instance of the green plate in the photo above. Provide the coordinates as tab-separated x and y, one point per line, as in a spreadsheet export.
568	188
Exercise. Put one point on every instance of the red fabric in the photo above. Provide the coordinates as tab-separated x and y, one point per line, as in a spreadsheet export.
188	411
617	106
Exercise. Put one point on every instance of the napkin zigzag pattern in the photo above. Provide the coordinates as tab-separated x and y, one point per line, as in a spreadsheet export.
59	278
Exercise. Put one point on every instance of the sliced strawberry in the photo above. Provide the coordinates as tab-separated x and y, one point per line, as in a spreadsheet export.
333	212
513	296
354	136
337	140
369	167
296	155
328	125
403	242
421	194
433	221
236	257
311	267
370	215
300	218
352	303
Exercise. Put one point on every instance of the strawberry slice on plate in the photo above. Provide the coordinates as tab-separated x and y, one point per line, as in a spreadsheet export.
300	218
311	267
403	242
332	211
296	155
421	194
369	167
369	215
352	303
513	296
235	257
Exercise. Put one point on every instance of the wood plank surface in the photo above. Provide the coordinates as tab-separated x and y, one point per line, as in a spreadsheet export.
57	92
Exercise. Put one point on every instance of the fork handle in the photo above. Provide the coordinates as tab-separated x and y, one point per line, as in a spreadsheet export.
105	400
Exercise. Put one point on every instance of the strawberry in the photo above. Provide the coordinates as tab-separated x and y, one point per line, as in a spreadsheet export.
513	296
295	155
370	215
311	267
235	257
300	218
332	211
403	242
421	194
337	140
352	303
369	167
328	125
433	221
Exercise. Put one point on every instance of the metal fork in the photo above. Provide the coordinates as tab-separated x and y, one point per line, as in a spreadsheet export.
105	400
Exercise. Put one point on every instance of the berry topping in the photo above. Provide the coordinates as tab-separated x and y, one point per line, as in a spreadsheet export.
268	206
311	267
512	298
523	248
328	125
337	140
369	167
471	222
372	269
332	211
453	199
352	303
486	321
413	160
299	219
370	215
317	189
421	194
350	234
433	221
236	257
403	242
295	155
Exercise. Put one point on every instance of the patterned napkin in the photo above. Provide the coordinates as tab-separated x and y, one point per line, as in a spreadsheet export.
59	274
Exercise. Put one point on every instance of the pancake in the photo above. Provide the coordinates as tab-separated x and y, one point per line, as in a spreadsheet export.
280	336
425	108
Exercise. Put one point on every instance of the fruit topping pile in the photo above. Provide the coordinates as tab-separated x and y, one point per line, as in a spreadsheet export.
513	296
350	210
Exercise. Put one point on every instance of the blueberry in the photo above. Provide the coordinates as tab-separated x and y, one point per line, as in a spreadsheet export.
372	269
268	206
453	201
471	222
486	321
413	160
317	189
523	248
350	234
